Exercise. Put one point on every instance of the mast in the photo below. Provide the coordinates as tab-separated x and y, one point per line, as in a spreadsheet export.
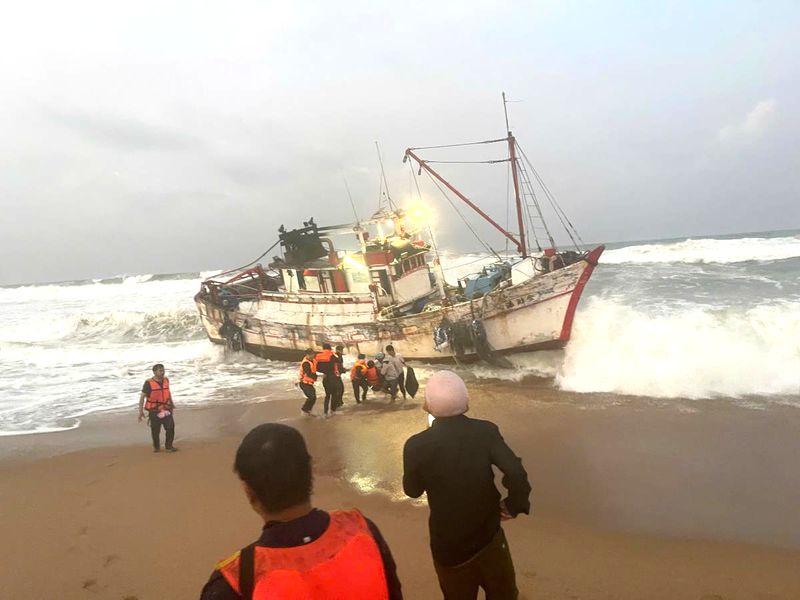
512	155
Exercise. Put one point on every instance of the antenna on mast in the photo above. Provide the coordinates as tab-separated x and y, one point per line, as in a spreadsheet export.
383	176
505	111
350	196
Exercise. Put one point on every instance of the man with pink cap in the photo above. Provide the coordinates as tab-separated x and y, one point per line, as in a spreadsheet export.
452	461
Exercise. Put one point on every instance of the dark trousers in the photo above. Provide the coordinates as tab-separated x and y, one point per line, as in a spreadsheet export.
311	396
401	383
491	569
339	395
155	429
360	384
330	385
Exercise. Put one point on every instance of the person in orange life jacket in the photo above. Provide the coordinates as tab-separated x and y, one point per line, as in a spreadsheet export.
338	399
373	376
358	375
452	461
303	552
308	375
399	363
328	365
159	407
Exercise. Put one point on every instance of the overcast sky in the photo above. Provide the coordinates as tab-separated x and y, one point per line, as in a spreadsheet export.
148	137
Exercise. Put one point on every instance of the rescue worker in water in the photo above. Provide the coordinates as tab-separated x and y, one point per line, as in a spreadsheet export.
328	365
159	407
303	552
358	375
308	375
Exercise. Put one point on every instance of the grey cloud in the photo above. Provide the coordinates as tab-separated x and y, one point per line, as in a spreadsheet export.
127	134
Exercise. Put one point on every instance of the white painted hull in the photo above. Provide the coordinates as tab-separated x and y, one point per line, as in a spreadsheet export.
533	315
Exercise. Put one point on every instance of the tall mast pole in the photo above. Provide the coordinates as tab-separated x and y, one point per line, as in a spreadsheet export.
512	155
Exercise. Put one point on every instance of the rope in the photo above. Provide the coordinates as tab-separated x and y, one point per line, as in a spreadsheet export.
554	203
430	229
247	265
471	262
463	218
467	162
460	145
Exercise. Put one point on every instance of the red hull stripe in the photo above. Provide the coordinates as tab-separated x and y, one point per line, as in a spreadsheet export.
591	259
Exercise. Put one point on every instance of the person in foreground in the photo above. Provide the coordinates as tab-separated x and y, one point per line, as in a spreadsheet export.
160	408
303	552
452	461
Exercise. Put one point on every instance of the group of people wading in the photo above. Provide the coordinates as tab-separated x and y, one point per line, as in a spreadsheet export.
383	374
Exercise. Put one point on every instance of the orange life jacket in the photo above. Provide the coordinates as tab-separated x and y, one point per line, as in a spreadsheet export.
329	356
344	563
372	376
160	397
305	378
358	371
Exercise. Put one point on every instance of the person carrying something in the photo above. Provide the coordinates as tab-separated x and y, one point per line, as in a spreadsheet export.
452	461
308	375
373	376
338	401
159	407
303	552
399	363
389	373
328	365
358	375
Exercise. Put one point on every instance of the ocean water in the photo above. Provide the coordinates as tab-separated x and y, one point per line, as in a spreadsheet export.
690	319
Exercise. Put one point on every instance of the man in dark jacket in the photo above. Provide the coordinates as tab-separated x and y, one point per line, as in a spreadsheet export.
293	557
452	461
328	365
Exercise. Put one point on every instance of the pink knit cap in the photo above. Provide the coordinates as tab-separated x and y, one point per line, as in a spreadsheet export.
446	395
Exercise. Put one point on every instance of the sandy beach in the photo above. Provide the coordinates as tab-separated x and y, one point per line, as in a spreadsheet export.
631	499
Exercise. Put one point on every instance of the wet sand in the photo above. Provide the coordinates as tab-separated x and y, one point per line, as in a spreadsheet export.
632	498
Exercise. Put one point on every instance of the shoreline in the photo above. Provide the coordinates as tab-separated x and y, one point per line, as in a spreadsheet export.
630	500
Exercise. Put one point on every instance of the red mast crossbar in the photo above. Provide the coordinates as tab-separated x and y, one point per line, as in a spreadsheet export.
423	164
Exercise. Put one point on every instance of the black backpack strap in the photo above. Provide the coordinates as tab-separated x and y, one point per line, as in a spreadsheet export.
247	572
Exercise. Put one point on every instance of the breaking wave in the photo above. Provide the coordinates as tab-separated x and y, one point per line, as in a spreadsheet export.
723	251
691	352
173	324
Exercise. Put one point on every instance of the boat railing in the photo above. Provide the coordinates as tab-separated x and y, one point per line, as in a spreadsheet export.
317	297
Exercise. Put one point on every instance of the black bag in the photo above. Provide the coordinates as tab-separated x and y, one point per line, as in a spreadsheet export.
412	385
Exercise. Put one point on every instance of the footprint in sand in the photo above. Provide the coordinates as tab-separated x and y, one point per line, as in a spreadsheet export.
83	530
110	559
90	584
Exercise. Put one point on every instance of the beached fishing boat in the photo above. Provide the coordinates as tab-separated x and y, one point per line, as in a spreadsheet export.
390	288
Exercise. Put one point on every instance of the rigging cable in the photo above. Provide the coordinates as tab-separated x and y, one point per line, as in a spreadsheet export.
556	206
247	265
430	230
467	162
463	218
460	145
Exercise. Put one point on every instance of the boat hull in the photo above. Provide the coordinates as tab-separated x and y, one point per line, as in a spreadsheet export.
536	314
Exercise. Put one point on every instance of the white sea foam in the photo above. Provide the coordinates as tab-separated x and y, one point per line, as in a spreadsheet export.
697	352
724	251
